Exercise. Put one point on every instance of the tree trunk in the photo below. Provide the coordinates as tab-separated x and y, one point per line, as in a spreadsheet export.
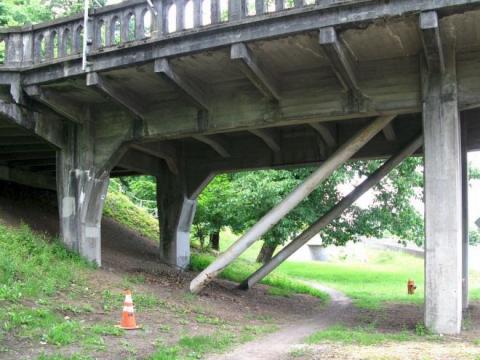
266	253
215	240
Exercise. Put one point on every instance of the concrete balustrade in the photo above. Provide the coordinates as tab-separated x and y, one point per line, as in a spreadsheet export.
130	22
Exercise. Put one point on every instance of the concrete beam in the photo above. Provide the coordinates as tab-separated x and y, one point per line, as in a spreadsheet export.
27	156
163	151
120	96
431	40
27	178
48	128
254	71
56	103
215	142
341	61
270	138
326	132
140	162
197	96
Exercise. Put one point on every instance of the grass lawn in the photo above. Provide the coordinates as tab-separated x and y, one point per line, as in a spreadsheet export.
383	279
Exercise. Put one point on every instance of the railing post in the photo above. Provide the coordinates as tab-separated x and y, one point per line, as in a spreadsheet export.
16	47
157	19
236	10
139	25
279	5
298	3
124	24
48	36
180	14
109	30
164	16
197	13
259	7
215	11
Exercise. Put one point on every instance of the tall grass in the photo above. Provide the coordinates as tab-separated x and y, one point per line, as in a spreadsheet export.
33	266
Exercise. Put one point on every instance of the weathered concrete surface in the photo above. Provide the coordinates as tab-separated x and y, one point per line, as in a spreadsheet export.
269	90
443	199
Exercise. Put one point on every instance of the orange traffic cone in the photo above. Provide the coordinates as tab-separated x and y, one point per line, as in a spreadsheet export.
128	317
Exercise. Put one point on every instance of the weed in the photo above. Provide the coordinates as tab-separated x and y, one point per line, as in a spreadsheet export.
202	344
110	330
133	280
202	319
299	352
61	357
421	330
128	348
359	335
75	309
166	353
164	328
250	332
64	333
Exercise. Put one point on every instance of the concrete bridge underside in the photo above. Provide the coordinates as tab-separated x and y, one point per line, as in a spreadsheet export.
266	90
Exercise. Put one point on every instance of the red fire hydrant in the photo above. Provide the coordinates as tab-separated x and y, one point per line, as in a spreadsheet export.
411	287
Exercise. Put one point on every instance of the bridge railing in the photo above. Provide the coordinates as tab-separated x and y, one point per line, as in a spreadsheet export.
126	24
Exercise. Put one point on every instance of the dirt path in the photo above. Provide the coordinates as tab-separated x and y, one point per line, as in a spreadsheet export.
278	345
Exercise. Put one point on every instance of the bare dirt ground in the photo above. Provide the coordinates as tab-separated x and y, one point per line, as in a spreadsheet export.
221	308
279	344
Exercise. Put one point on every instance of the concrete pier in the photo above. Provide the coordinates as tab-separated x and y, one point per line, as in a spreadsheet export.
443	195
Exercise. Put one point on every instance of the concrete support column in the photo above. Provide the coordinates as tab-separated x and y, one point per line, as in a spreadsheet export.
443	199
175	213
465	240
81	195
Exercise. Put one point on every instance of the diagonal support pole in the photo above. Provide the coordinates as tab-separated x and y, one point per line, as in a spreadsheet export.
342	155
334	213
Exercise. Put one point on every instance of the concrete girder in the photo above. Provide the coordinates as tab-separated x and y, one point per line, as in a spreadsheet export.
432	42
271	139
215	142
326	132
56	103
343	154
342	63
121	97
197	96
49	129
332	214
247	62
163	151
27	178
140	162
